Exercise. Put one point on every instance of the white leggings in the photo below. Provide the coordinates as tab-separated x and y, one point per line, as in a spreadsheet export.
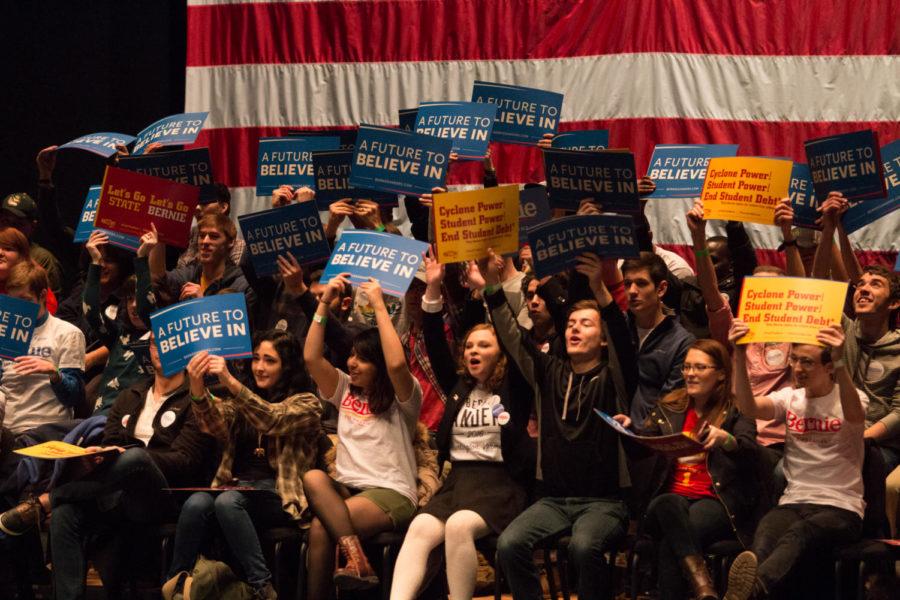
425	534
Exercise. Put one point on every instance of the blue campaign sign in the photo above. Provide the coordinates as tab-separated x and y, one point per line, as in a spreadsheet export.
103	143
331	168
347	137
861	213
524	114
174	130
397	161
407	118
555	246
467	124
185	166
679	170
86	223
803	198
897	265
293	229
288	161
534	209
607	177
849	163
217	324
17	322
586	139
391	259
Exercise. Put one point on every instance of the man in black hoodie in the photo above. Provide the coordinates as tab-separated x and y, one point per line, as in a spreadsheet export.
581	469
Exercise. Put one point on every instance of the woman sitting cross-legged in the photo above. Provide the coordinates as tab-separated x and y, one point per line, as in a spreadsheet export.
484	435
374	489
270	430
707	497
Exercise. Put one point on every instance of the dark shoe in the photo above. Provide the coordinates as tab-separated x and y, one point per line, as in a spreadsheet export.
173	589
357	574
267	592
741	577
23	517
695	568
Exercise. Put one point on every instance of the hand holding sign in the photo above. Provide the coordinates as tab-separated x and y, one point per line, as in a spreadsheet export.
149	241
696	222
94	244
335	288
291	274
832	337
833	208
372	291
46	162
32	365
784	217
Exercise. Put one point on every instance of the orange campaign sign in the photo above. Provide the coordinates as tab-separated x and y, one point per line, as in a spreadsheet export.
130	201
466	224
789	309
745	188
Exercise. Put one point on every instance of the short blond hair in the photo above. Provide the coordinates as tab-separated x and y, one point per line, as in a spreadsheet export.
28	275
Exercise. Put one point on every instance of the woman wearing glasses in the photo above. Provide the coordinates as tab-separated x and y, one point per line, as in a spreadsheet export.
701	499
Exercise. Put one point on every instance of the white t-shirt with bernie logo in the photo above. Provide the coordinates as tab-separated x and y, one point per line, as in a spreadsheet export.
376	451
823	453
476	431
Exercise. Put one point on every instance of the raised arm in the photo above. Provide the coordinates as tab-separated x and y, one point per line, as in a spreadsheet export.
830	210
433	325
391	346
850	261
784	218
323	372
757	407
106	330
833	337
706	272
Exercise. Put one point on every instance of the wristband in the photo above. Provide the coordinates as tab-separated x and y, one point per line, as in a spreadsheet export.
320	319
730	443
701	253
380	227
838	363
490	289
197	399
787	244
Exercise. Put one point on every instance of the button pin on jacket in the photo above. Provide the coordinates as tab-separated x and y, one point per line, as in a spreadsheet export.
499	411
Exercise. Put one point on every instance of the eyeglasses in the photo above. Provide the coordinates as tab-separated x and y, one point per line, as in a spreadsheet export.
806	363
687	368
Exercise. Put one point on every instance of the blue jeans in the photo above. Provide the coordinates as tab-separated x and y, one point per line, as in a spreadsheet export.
236	515
128	491
596	524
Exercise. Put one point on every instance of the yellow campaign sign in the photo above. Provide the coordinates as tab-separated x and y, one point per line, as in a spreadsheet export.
466	224
53	449
745	188
789	309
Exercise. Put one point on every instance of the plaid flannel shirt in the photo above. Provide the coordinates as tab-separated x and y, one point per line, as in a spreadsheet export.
291	429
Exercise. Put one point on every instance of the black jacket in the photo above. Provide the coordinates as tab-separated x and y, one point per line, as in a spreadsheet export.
182	452
734	474
515	393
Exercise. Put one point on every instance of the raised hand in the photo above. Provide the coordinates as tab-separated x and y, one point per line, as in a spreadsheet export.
546	141
372	290
94	245
149	241
46	162
291	273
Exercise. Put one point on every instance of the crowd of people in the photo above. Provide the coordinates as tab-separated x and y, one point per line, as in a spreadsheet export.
464	409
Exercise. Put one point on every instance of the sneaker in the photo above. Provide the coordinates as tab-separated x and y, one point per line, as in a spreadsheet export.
267	592
21	518
741	577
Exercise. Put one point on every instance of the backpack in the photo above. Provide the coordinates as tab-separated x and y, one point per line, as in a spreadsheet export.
209	580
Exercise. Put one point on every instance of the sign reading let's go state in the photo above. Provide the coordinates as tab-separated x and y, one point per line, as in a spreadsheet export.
466	224
293	229
401	162
678	170
86	224
288	161
217	324
390	259
524	114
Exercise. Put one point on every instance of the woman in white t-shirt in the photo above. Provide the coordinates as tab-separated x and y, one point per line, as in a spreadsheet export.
374	489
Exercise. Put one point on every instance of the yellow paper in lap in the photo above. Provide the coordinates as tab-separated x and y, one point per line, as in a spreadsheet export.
789	309
745	188
55	449
466	224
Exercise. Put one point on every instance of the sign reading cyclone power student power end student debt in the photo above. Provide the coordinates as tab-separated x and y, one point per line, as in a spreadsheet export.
129	202
397	161
467	125
466	224
293	229
863	212
607	177
848	163
103	143
391	259
331	169
556	246
789	309
288	161
678	170
174	130
217	324
586	139
185	166
745	188
86	223
17	322
524	114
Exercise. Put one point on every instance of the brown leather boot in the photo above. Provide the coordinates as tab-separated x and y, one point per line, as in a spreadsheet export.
701	583
22	517
357	573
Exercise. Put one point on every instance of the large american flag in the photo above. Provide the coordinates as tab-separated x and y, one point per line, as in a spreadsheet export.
764	74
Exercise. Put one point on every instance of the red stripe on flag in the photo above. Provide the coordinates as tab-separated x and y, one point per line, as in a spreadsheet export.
233	150
765	256
400	30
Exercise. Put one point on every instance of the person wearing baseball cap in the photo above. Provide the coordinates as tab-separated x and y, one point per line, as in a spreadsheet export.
19	210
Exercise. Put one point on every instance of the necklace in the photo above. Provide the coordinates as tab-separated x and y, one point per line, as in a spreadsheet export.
259	452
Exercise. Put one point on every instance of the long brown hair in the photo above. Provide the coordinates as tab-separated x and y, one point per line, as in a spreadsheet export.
499	372
721	398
